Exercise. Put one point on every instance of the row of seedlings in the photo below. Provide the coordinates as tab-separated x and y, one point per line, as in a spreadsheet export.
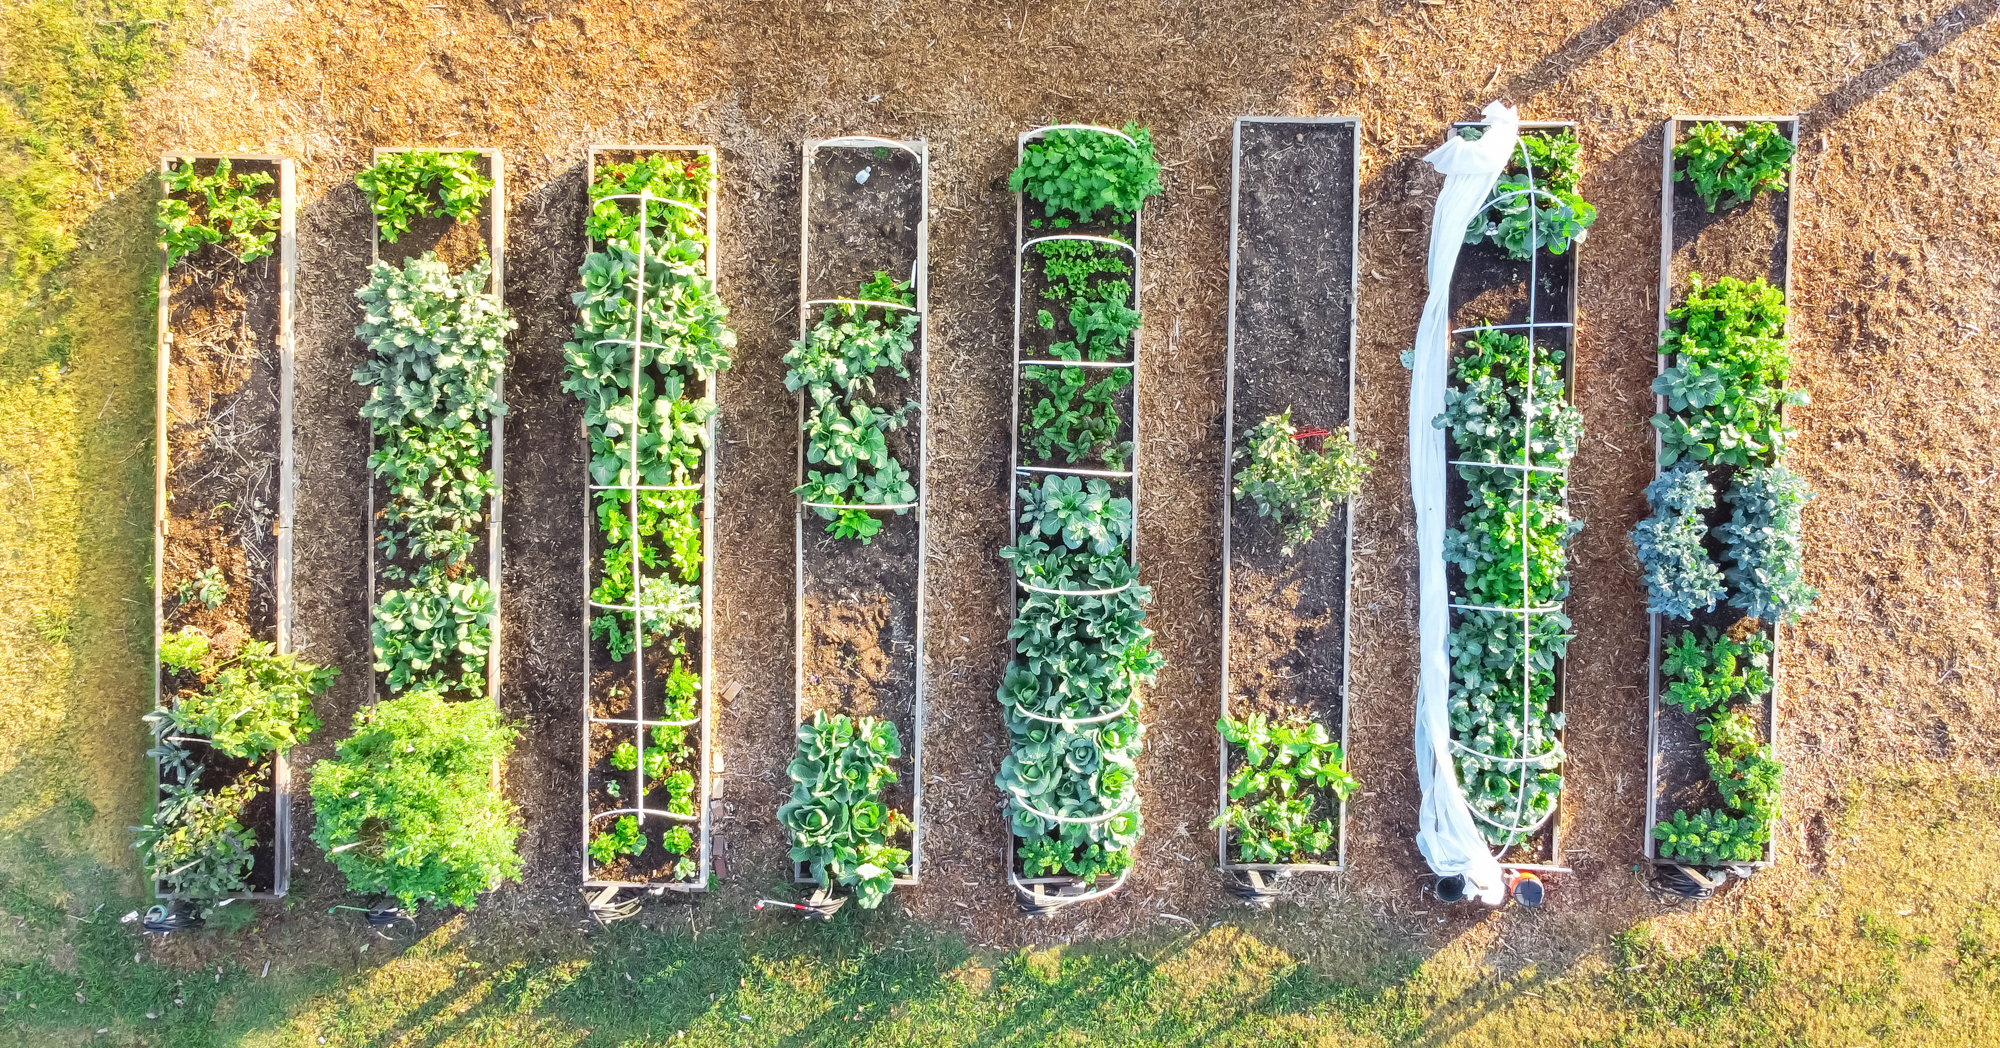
859	540
1721	575
1070	696
229	697
410	809
1512	430
650	340
1288	484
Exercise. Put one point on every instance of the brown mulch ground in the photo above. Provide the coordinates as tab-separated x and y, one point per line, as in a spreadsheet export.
1894	302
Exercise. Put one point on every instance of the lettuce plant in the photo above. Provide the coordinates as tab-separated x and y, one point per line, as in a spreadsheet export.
1298	487
1730	166
689	179
835	366
1725	390
1761	541
1520	222
1680	578
839	826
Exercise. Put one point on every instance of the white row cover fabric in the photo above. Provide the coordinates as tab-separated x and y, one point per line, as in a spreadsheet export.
1446	834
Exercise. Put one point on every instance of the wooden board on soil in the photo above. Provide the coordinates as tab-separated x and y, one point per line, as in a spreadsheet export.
224	477
611	716
859	608
1291	346
1749	241
460	245
1490	288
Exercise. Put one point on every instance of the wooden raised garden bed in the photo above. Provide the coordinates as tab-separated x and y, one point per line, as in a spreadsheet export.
1749	241
1535	298
1294	231
223	497
648	710
859	607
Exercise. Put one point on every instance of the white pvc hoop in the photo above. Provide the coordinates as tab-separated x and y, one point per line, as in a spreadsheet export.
1113	474
862	302
851	141
642	812
863	505
1025	245
1066	723
1088	820
644	487
1057	362
1032	588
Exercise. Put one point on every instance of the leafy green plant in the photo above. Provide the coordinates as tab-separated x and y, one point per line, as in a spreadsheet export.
195	845
1709	837
1680	578
437	344
1729	165
1278	768
230	212
690	180
1518	217
840	828
1726	389
206	588
257	703
833	365
1762	542
184	651
623	838
1081	172
421	631
1719	676
1706	671
673	519
1077	415
1298	487
408	806
1082	270
419	183
438	489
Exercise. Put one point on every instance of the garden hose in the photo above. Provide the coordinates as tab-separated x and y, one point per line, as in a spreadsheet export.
1676	884
1252	888
160	920
606	907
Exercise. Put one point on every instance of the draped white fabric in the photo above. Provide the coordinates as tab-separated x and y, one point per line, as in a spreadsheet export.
1446	833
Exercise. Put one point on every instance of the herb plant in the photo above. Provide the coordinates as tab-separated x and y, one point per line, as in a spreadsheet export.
1729	165
1762	543
1520	221
408	806
1726	389
255	704
840	828
1680	577
195	845
1510	548
230	212
420	183
1283	773
835	367
1297	486
1079	172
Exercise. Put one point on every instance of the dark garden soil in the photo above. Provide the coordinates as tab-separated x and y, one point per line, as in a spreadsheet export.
224	425
1285	616
1490	288
1748	242
859	604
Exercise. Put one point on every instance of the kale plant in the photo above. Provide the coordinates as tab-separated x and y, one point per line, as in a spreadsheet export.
1298	487
1680	578
1730	166
1761	541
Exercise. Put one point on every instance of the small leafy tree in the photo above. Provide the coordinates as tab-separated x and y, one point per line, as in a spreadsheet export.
1680	577
1297	486
408	808
1730	166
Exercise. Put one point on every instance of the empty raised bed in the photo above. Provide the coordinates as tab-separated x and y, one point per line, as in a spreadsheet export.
1070	696
858	368
1290	470
1493	372
1720	550
650	339
229	698
410	809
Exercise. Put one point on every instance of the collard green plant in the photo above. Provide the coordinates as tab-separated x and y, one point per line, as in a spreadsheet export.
437	624
1535	203
257	703
230	211
408	807
1730	165
195	845
422	182
1680	578
1080	172
1297	486
437	344
839	826
1725	390
1283	773
1761	540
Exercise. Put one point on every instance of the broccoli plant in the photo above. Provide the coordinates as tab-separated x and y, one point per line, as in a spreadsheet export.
231	212
1680	577
1298	487
1729	165
1761	540
418	183
1079	172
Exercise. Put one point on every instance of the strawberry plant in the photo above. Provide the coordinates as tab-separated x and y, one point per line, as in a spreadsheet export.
1510	548
1297	486
232	211
1520	221
834	365
420	183
688	179
1726	390
840	829
408	806
1680	577
1283	773
1761	540
1079	172
1730	165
